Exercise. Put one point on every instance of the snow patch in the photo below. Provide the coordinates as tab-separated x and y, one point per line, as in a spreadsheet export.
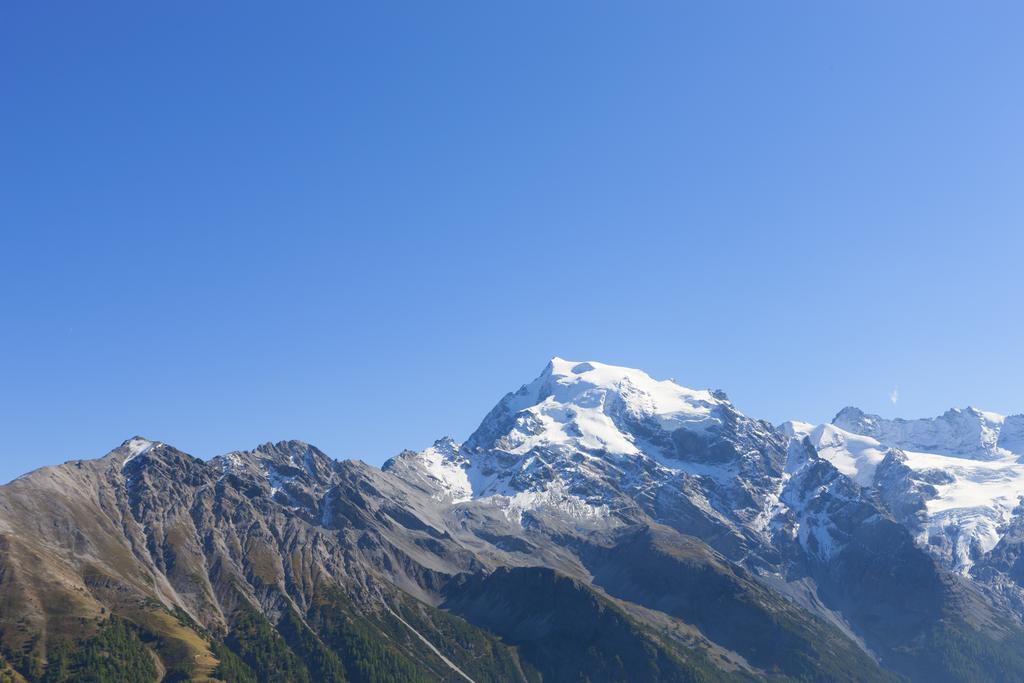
554	497
135	447
442	463
277	480
855	456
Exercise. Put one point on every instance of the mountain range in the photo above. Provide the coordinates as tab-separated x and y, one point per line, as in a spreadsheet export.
599	525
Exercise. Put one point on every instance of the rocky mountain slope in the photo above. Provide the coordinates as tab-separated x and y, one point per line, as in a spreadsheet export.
598	525
954	481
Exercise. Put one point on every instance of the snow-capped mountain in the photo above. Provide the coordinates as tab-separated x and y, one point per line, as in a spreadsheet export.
965	433
595	441
601	523
955	481
861	519
584	415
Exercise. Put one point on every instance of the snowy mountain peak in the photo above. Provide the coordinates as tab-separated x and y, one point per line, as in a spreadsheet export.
440	469
955	481
588	438
136	446
852	415
570	379
582	405
795	429
447	445
963	432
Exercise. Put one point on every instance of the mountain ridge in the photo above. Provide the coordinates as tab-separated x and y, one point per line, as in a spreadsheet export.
729	548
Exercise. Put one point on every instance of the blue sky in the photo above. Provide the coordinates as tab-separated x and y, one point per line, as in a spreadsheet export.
227	223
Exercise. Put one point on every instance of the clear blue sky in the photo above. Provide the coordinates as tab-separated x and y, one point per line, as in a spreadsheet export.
226	223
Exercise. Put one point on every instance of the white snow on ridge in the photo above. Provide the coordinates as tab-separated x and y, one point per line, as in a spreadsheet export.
796	429
672	405
973	506
1011	435
441	462
974	499
963	432
136	447
570	405
854	455
976	483
276	480
574	424
554	497
973	483
230	462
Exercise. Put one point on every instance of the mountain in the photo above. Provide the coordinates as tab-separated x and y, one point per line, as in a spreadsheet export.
598	525
605	445
968	433
954	481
